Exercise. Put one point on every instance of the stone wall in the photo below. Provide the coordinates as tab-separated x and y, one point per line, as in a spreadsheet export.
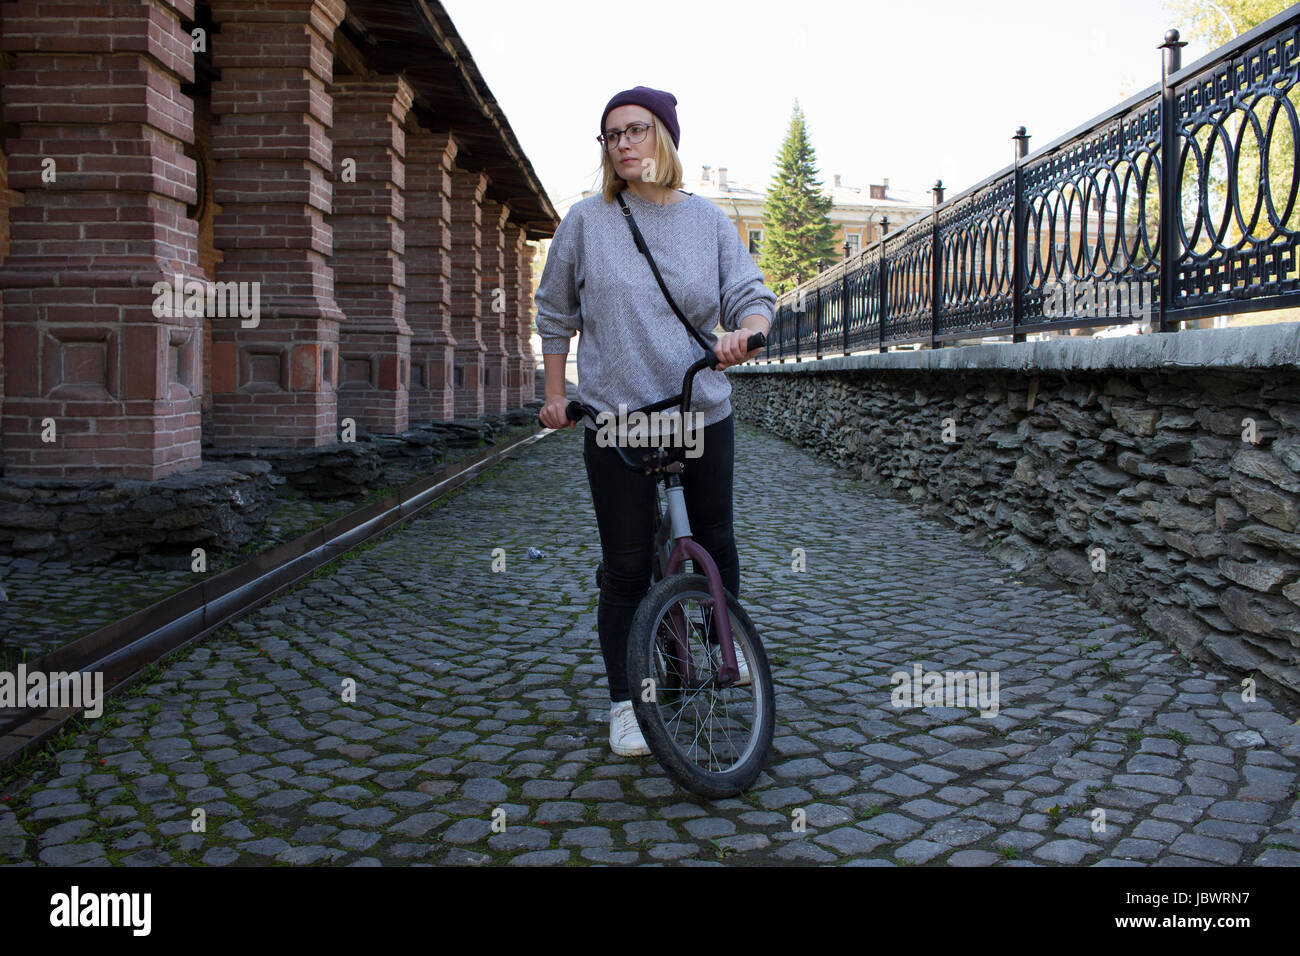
218	507
1160	474
221	506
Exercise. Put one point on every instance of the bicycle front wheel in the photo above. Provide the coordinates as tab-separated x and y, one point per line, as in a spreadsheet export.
712	740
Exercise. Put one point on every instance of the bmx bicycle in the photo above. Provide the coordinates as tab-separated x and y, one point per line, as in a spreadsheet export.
708	723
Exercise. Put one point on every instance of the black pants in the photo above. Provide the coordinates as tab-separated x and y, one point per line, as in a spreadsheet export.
624	503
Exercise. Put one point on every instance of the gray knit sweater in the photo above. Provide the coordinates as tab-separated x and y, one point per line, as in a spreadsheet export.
633	348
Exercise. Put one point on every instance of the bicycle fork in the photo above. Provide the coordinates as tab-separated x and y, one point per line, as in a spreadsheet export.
684	546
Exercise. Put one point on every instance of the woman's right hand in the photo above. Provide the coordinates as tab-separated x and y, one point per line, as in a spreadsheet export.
553	413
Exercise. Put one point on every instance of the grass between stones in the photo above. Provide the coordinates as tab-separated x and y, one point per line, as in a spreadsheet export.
147	817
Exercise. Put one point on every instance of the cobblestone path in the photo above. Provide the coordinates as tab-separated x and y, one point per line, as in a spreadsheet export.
478	689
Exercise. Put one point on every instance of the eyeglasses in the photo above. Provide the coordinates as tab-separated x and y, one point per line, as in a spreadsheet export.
635	133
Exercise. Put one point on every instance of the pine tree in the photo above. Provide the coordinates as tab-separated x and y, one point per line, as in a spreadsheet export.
796	230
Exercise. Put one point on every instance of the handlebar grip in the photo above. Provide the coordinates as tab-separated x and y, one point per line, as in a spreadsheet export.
572	411
756	341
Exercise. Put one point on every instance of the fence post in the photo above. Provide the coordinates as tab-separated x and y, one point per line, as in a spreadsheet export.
936	197
844	303
819	318
800	300
1170	64
882	294
777	339
798	318
1018	238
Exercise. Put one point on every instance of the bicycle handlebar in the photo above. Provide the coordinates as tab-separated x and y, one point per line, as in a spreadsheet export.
575	410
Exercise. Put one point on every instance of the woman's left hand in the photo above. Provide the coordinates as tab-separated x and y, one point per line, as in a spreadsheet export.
731	348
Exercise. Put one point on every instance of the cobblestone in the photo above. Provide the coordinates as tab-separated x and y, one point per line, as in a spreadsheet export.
483	691
850	840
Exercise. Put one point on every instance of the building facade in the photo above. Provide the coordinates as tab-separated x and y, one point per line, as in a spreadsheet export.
240	225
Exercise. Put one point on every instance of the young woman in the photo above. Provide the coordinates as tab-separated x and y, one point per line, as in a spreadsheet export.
634	351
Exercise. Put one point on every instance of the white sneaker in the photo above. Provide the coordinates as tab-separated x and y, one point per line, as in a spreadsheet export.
625	737
741	664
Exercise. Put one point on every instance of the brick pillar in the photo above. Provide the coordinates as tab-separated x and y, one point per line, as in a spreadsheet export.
519	326
526	321
466	290
429	158
273	384
95	92
369	266
496	309
8	198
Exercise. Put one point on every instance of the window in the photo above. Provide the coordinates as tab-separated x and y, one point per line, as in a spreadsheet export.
755	240
854	241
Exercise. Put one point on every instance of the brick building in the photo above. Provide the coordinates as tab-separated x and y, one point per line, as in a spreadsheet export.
328	185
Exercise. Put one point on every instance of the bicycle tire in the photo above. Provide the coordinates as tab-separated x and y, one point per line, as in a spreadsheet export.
668	743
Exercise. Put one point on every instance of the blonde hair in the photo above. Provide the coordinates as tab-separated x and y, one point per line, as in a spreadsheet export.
667	164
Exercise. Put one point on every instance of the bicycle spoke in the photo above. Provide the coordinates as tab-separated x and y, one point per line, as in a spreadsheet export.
713	699
714	725
695	739
726	712
684	697
711	727
688	699
721	721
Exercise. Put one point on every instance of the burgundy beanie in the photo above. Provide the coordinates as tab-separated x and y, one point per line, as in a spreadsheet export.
659	102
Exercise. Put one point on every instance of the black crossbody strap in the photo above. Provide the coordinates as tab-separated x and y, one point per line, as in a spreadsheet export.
645	250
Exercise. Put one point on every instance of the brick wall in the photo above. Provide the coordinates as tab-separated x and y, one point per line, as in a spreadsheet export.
8	197
467	190
429	159
369	250
273	384
100	160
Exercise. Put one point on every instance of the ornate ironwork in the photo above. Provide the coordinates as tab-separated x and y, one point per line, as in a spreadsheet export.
975	278
1002	257
1235	119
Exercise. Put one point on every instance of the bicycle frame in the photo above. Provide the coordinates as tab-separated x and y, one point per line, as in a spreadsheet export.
662	463
684	546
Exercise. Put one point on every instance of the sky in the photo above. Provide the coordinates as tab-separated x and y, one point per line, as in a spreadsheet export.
909	90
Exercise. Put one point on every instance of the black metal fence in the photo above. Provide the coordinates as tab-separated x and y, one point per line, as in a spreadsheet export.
1077	234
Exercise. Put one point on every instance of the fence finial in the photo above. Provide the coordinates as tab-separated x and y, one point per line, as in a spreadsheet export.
1173	47
1022	142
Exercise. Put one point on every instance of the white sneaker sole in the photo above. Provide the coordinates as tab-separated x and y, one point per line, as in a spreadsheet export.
629	751
628	748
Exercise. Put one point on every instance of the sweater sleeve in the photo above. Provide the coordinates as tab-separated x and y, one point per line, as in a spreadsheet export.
742	291
559	313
